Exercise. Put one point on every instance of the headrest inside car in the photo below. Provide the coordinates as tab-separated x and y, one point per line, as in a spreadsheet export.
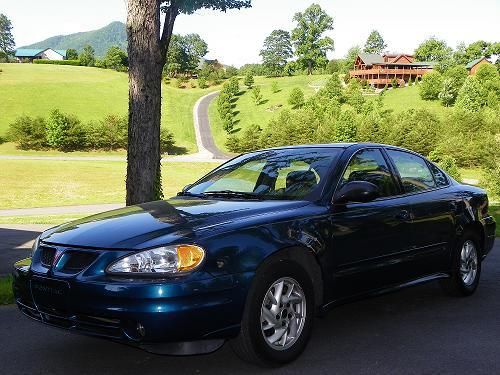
300	180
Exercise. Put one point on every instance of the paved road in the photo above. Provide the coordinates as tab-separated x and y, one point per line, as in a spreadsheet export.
202	127
416	331
15	244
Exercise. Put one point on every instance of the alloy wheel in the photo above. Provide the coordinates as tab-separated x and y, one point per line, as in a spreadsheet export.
283	313
468	262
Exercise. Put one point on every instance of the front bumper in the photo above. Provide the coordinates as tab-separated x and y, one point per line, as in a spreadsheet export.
145	313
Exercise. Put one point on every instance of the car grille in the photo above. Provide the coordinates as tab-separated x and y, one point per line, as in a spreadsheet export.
77	261
73	262
47	255
88	324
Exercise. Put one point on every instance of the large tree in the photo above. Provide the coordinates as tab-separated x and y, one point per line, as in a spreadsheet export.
375	43
148	43
184	54
310	44
6	39
276	51
433	49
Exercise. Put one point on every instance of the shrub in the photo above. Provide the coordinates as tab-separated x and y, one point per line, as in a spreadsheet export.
491	179
345	127
116	59
109	133
431	86
296	98
416	129
471	96
57	62
167	143
448	93
65	132
275	88
87	57
233	86
333	88
202	83
177	83
257	95
394	83
249	81
354	96
29	133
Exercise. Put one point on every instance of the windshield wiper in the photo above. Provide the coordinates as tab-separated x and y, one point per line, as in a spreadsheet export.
230	193
189	194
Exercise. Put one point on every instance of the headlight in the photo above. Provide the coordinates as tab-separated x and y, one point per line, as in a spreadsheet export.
163	260
35	246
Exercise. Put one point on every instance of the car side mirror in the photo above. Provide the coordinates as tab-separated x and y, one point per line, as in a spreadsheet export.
356	191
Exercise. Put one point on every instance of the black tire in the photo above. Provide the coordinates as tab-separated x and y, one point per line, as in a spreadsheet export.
455	285
250	345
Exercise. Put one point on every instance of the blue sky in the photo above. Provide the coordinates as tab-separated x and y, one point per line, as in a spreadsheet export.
236	37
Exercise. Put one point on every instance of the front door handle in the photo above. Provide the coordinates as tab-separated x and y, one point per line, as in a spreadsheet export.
403	215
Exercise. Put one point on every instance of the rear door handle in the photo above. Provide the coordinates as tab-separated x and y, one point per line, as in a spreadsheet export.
403	215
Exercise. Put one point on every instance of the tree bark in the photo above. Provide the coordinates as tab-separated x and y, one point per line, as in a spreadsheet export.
147	55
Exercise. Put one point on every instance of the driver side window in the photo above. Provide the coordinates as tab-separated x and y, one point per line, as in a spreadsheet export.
370	166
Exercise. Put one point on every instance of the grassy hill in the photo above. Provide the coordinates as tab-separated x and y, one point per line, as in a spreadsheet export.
408	97
89	93
248	113
113	34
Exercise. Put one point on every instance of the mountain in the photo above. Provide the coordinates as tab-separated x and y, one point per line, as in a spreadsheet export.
113	34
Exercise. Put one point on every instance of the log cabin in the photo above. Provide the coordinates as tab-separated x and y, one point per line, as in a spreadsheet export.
381	70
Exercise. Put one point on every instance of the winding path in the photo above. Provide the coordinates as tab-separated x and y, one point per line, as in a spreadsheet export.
204	139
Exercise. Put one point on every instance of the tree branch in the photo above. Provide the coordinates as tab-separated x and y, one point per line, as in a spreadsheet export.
168	26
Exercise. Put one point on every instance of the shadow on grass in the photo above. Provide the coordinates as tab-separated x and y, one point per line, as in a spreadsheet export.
6	295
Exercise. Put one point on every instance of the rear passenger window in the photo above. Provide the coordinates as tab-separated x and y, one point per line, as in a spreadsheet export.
413	170
370	166
439	176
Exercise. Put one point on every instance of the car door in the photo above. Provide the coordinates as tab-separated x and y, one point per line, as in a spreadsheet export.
369	239
432	209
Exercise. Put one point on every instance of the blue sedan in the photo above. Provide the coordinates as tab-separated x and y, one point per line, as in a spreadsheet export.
257	248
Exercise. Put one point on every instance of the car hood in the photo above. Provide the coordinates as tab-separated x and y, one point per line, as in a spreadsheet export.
159	223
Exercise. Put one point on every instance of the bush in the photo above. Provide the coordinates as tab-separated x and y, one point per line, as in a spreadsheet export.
167	143
249	81
296	98
65	132
108	134
29	133
394	83
275	88
115	59
448	93
431	86
491	179
472	96
257	95
57	62
202	83
415	129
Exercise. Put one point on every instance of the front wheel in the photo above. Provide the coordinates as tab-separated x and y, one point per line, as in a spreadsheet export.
466	267
278	317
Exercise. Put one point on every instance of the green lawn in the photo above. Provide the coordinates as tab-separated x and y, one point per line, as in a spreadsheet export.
404	98
89	93
6	296
248	113
44	183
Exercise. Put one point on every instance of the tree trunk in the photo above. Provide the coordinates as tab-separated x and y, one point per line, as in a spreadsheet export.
309	67
147	55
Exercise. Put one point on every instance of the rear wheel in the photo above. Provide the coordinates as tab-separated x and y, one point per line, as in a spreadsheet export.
466	267
278	317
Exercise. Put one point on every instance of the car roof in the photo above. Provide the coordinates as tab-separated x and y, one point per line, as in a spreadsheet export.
339	145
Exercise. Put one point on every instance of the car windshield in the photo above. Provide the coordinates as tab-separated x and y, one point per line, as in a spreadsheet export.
288	174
